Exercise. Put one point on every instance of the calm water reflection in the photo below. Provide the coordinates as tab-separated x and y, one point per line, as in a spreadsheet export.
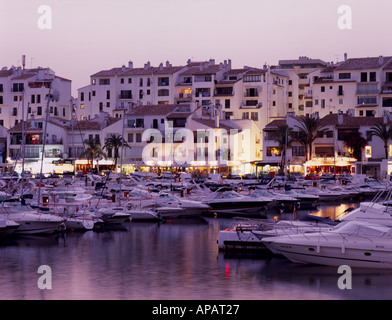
178	260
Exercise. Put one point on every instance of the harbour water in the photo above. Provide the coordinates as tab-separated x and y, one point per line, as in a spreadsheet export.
175	260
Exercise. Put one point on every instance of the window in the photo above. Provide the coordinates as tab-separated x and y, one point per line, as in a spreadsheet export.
148	82
340	91
32	98
373	77
82	106
17	87
367	100
107	104
38	98
273	152
104	82
15	111
340	101
164	81
316	102
138	137
130	137
136	123
245	115
370	113
227	103
290	94
39	111
363	76
254	116
122	80
141	82
322	89
299	151
108	94
329	134
228	115
345	75
129	80
82	96
290	82
1	100
253	78
126	94
322	103
163	93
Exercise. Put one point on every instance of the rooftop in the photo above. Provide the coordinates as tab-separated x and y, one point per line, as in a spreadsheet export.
364	63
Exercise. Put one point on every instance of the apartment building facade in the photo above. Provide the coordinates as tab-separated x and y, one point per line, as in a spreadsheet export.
24	93
361	84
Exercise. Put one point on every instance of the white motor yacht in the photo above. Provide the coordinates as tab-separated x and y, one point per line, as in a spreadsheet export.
31	221
232	203
113	215
248	235
353	243
325	194
79	223
182	207
7	227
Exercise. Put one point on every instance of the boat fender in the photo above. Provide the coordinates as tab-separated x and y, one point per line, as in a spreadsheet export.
343	248
318	249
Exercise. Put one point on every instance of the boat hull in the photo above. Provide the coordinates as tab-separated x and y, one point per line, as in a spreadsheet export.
333	256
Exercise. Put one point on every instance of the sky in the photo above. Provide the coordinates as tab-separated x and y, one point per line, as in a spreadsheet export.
77	38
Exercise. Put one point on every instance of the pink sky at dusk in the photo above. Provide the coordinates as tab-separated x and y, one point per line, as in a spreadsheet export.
88	36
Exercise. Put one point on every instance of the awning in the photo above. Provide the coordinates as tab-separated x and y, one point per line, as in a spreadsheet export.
341	162
267	163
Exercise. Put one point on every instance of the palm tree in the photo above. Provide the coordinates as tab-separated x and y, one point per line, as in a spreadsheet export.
92	151
308	128
115	142
384	133
282	135
356	143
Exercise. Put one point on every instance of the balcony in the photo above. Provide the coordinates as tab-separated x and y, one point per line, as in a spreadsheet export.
387	87
221	92
203	94
184	96
365	89
125	95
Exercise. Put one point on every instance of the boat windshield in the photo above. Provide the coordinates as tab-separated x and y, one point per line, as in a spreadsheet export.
168	196
363	229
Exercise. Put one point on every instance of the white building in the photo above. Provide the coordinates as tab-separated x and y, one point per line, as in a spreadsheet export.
360	84
23	93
